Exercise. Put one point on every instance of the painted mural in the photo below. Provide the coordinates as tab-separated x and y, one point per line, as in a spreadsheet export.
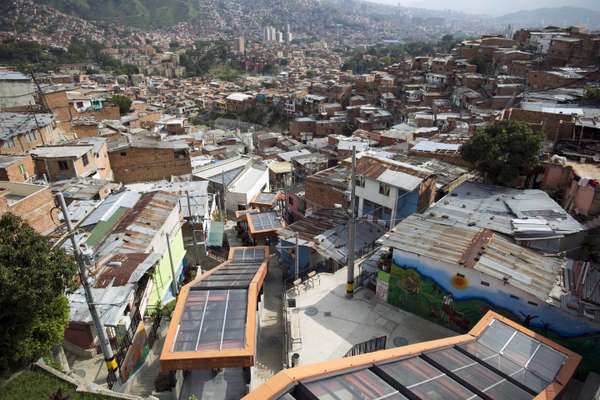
456	302
136	354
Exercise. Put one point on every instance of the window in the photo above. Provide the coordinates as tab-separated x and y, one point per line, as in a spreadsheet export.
484	283
384	189
180	154
360	181
85	160
123	154
512	296
531	303
63	165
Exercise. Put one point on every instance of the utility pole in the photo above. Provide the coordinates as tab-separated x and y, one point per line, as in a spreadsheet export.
223	196
351	229
193	224
109	357
175	288
297	259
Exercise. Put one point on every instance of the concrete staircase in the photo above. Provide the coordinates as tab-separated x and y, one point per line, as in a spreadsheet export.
142	381
588	390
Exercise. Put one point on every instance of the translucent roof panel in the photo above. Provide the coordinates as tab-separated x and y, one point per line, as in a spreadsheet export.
509	367
357	385
229	276
546	362
248	254
426	381
266	198
496	335
478	375
264	221
212	320
520	348
522	357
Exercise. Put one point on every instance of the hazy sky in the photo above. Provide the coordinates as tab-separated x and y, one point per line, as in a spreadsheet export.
493	7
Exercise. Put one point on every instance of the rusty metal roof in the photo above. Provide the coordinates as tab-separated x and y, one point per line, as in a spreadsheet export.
373	167
316	223
136	230
121	268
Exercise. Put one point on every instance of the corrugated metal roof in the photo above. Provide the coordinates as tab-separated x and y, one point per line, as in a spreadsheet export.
110	205
315	224
246	180
518	213
372	167
432	147
198	192
61	151
123	268
280	167
333	243
110	303
524	268
138	228
400	179
102	228
13	124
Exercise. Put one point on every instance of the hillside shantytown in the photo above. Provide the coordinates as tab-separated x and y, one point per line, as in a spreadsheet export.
280	206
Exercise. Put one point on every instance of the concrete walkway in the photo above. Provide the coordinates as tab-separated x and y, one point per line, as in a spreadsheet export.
325	325
270	341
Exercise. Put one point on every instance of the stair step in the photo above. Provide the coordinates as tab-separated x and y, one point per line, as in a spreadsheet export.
591	388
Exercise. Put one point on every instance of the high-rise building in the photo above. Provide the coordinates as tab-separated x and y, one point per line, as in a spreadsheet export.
270	34
289	37
240	45
280	36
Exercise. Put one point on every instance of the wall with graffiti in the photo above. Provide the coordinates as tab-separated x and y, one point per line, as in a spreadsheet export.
136	354
458	297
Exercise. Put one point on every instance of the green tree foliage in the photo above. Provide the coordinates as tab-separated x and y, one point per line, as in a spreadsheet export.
157	13
32	55
375	58
123	102
504	151
483	67
206	56
34	311
225	72
591	95
447	43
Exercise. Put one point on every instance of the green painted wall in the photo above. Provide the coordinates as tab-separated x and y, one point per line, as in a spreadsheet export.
162	274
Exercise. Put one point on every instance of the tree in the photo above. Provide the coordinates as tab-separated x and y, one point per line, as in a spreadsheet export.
591	95
34	311
123	102
481	64
504	151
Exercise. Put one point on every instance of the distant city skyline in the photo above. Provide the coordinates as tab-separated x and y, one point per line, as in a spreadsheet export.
494	8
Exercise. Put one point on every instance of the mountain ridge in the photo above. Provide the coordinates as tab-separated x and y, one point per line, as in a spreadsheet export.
557	16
